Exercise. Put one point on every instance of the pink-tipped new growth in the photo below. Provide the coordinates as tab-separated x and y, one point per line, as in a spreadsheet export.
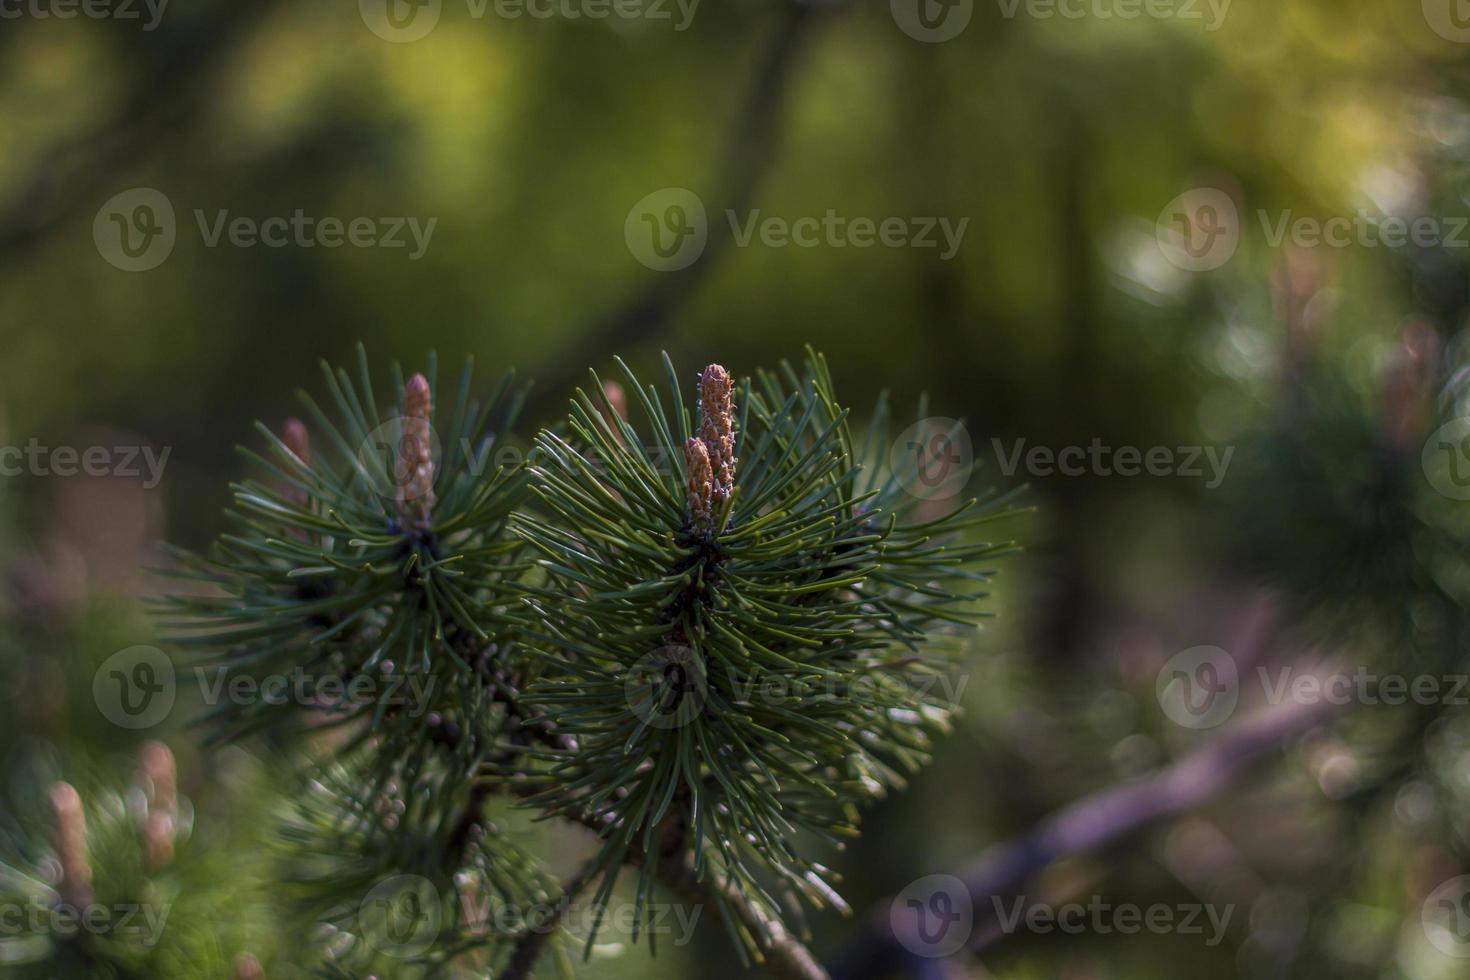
296	438
699	490
163	803
69	828
415	464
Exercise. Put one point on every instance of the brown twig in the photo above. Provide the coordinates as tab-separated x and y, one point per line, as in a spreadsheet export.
532	943
1098	820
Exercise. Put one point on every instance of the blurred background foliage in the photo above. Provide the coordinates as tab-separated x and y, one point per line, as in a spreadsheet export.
1058	321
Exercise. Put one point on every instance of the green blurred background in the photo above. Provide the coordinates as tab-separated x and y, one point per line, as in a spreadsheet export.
1059	320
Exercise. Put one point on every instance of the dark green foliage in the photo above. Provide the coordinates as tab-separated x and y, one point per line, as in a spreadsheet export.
738	691
323	577
710	660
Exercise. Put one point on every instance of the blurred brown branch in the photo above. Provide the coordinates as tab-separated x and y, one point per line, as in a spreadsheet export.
1095	821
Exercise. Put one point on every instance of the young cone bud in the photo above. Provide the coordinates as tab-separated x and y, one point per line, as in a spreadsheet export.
247	967
717	428
70	839
163	803
617	401
1406	386
296	438
415	470
699	490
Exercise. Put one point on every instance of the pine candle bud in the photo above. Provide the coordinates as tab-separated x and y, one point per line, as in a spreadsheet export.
70	829
163	803
247	967
415	464
617	400
699	490
717	428
296	438
1406	385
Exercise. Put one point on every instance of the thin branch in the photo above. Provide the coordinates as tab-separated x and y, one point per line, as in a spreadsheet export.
786	956
529	947
1096	821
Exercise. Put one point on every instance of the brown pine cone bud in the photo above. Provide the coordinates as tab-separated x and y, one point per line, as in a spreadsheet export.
70	839
699	488
717	428
247	967
415	464
297	439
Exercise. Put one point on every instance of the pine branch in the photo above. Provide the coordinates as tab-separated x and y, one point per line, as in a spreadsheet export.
529	947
